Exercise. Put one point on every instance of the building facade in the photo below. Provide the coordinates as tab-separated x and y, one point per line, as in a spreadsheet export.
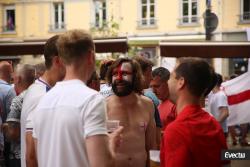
143	22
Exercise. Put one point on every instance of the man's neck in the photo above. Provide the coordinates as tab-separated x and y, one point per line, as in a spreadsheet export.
20	89
49	77
186	100
73	72
129	99
164	99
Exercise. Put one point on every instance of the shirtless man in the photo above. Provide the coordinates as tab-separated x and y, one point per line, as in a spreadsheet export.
134	111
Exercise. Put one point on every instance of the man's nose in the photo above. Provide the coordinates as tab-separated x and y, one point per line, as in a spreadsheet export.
119	76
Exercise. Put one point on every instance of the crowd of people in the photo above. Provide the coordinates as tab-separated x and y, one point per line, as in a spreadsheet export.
56	114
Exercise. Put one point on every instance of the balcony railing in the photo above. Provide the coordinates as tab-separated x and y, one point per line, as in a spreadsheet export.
245	17
9	28
152	22
57	26
187	20
99	25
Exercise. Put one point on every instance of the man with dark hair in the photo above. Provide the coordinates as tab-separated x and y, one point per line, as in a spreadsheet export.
146	67
94	82
134	111
217	104
194	138
69	121
105	88
105	64
159	84
54	72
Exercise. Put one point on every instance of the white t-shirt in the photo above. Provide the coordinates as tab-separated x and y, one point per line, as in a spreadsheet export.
215	101
63	119
30	101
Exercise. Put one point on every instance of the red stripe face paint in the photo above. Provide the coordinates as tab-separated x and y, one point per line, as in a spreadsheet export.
119	72
123	72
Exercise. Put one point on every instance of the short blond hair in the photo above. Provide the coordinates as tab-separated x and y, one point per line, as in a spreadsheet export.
74	44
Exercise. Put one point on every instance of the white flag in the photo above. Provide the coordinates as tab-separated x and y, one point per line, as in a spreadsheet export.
238	93
248	65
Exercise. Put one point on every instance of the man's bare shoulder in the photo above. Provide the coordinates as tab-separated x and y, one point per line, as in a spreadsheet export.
146	99
111	98
147	102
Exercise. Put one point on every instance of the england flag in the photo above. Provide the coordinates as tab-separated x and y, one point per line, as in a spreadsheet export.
238	93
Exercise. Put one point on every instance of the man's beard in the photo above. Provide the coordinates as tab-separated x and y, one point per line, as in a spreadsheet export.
125	91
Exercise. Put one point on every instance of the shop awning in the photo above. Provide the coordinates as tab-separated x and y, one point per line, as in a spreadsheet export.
111	45
104	45
205	49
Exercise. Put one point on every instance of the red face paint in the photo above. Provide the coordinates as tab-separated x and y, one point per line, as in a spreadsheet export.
119	72
122	72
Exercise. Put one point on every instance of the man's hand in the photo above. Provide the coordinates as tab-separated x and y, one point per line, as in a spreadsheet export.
223	114
115	139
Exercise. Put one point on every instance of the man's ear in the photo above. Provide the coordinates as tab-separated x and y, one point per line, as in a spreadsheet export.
181	83
91	57
57	60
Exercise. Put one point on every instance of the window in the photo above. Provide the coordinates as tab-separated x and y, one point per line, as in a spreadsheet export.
100	13
58	18
189	12
147	15
245	11
9	19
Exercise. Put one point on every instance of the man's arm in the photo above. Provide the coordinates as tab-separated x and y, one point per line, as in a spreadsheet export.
150	136
12	125
150	132
158	127
11	94
223	114
31	159
11	130
101	149
98	151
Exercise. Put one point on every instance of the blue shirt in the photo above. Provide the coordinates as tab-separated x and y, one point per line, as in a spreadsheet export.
150	94
7	93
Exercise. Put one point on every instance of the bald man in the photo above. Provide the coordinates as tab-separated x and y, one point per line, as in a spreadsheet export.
7	93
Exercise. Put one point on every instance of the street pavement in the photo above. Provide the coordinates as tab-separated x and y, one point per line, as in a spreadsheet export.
239	163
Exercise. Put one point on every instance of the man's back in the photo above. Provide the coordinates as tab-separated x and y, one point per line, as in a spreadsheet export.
64	118
7	93
216	101
194	139
32	97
